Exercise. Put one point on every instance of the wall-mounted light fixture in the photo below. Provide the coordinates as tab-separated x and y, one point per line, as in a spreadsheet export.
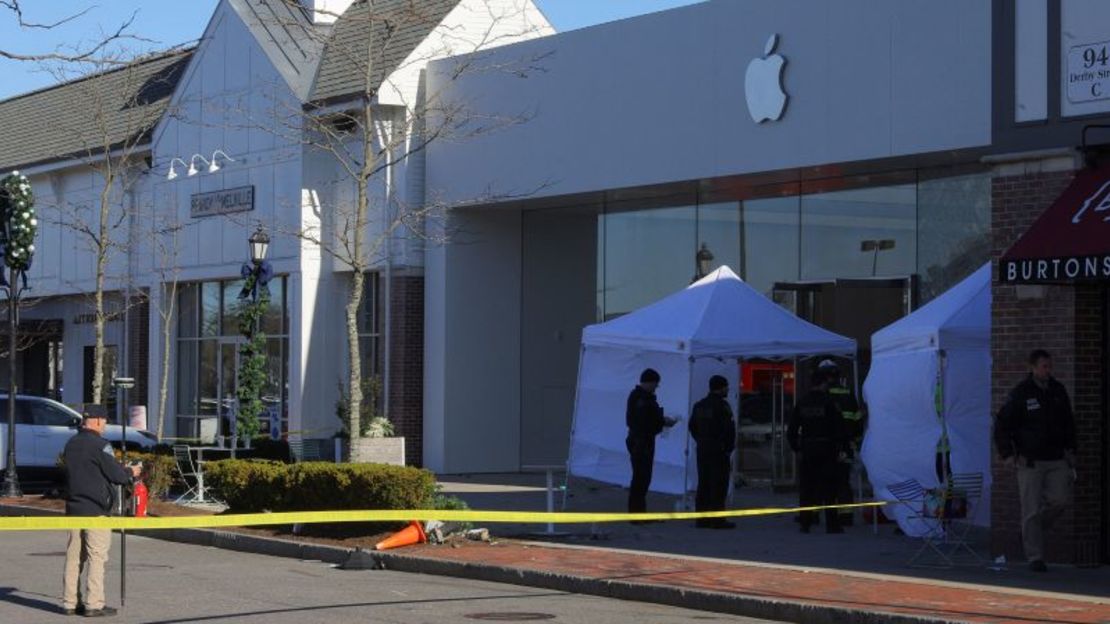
173	174
213	165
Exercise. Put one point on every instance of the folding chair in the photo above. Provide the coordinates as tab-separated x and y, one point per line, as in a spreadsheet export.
916	500
190	475
965	491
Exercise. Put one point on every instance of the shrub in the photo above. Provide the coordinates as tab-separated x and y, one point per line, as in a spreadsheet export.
257	485
159	472
247	485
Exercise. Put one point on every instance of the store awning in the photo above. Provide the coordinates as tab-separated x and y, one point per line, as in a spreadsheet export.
1070	241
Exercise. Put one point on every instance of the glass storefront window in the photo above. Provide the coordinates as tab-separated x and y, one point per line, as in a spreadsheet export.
719	231
769	239
863	232
207	360
953	230
648	255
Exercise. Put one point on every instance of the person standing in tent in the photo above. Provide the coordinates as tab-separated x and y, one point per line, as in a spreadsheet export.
816	432
853	415
1035	433
645	420
712	427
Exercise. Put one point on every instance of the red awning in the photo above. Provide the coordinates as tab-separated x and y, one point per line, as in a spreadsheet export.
1071	240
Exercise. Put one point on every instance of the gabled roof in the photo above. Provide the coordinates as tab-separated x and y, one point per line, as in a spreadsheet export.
288	38
65	121
390	29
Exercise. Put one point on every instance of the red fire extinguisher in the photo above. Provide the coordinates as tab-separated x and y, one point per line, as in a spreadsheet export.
140	495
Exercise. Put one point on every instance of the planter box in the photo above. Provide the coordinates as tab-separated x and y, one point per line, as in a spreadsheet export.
378	451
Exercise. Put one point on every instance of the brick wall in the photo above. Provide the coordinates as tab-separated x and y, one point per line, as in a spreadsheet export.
406	383
1066	321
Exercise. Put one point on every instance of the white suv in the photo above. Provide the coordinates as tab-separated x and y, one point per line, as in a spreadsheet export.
42	428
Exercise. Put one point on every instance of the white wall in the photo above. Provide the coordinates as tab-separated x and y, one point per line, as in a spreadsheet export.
472	346
661	98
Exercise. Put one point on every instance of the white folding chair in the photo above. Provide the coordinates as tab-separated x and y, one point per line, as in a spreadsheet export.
912	496
190	474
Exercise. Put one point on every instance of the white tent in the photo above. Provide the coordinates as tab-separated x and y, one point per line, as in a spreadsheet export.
930	372
688	336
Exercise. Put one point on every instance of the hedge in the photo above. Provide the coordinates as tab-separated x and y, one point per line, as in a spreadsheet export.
251	486
159	472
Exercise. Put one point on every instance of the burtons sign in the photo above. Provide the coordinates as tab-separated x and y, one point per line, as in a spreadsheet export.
1069	241
222	202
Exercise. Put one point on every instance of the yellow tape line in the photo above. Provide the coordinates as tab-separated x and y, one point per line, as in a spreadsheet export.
56	523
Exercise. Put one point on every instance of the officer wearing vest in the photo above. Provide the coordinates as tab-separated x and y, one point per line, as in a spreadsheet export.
816	432
714	431
854	426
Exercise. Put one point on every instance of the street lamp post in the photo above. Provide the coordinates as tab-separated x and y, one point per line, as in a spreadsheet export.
17	245
875	246
703	261
257	274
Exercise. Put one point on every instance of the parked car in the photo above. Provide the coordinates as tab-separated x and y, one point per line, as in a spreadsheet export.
42	428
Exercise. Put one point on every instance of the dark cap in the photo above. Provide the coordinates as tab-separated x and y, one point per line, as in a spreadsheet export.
94	410
716	382
649	375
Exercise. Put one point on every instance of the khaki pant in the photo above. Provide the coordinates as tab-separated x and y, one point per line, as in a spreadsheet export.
87	549
1045	490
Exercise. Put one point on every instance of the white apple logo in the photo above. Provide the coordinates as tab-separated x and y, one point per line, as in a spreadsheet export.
763	84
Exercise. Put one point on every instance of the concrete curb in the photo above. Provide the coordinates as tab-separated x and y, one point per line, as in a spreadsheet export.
701	600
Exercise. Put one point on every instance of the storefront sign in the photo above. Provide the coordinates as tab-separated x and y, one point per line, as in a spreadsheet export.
1070	241
222	202
1088	73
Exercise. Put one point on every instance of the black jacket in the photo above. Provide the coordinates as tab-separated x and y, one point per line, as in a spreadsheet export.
712	426
91	469
643	415
1035	423
816	426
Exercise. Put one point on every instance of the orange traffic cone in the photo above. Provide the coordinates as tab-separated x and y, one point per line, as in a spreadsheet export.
412	534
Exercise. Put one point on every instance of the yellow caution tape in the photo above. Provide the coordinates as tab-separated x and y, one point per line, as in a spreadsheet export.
56	523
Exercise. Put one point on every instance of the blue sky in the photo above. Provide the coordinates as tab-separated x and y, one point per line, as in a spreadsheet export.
170	22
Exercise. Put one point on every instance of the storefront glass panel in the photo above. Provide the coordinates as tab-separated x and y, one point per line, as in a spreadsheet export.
856	233
648	255
770	242
953	230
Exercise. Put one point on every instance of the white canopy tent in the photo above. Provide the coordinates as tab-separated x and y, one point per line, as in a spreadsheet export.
930	373
688	336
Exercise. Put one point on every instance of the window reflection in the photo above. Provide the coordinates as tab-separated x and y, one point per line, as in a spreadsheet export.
648	255
770	242
859	233
953	230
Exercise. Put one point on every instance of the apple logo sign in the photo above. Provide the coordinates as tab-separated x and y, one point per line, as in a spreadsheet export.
763	84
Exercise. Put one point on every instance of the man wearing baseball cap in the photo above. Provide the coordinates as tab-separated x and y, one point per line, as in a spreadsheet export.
91	472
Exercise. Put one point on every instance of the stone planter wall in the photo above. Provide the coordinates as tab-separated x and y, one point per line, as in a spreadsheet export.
378	451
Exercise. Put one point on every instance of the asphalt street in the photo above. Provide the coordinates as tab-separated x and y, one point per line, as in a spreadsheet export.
170	583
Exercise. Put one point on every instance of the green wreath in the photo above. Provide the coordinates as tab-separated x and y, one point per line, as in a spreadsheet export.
17	210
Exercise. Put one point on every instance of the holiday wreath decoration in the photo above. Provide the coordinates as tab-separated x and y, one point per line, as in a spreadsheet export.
17	218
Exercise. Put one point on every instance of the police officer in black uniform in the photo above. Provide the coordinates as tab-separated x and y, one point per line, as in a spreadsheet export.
855	424
712	427
816	432
645	420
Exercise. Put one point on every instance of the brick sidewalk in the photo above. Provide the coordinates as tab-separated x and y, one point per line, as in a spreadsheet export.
857	593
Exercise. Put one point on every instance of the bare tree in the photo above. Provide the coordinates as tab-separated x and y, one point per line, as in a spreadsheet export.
98	50
121	100
366	139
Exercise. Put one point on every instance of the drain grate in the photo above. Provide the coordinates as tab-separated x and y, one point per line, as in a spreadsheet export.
510	616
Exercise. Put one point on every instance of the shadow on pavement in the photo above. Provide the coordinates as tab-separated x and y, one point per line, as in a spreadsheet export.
763	540
10	594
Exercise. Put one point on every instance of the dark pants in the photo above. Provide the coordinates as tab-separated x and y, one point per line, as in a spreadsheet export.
844	487
819	482
641	451
713	469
